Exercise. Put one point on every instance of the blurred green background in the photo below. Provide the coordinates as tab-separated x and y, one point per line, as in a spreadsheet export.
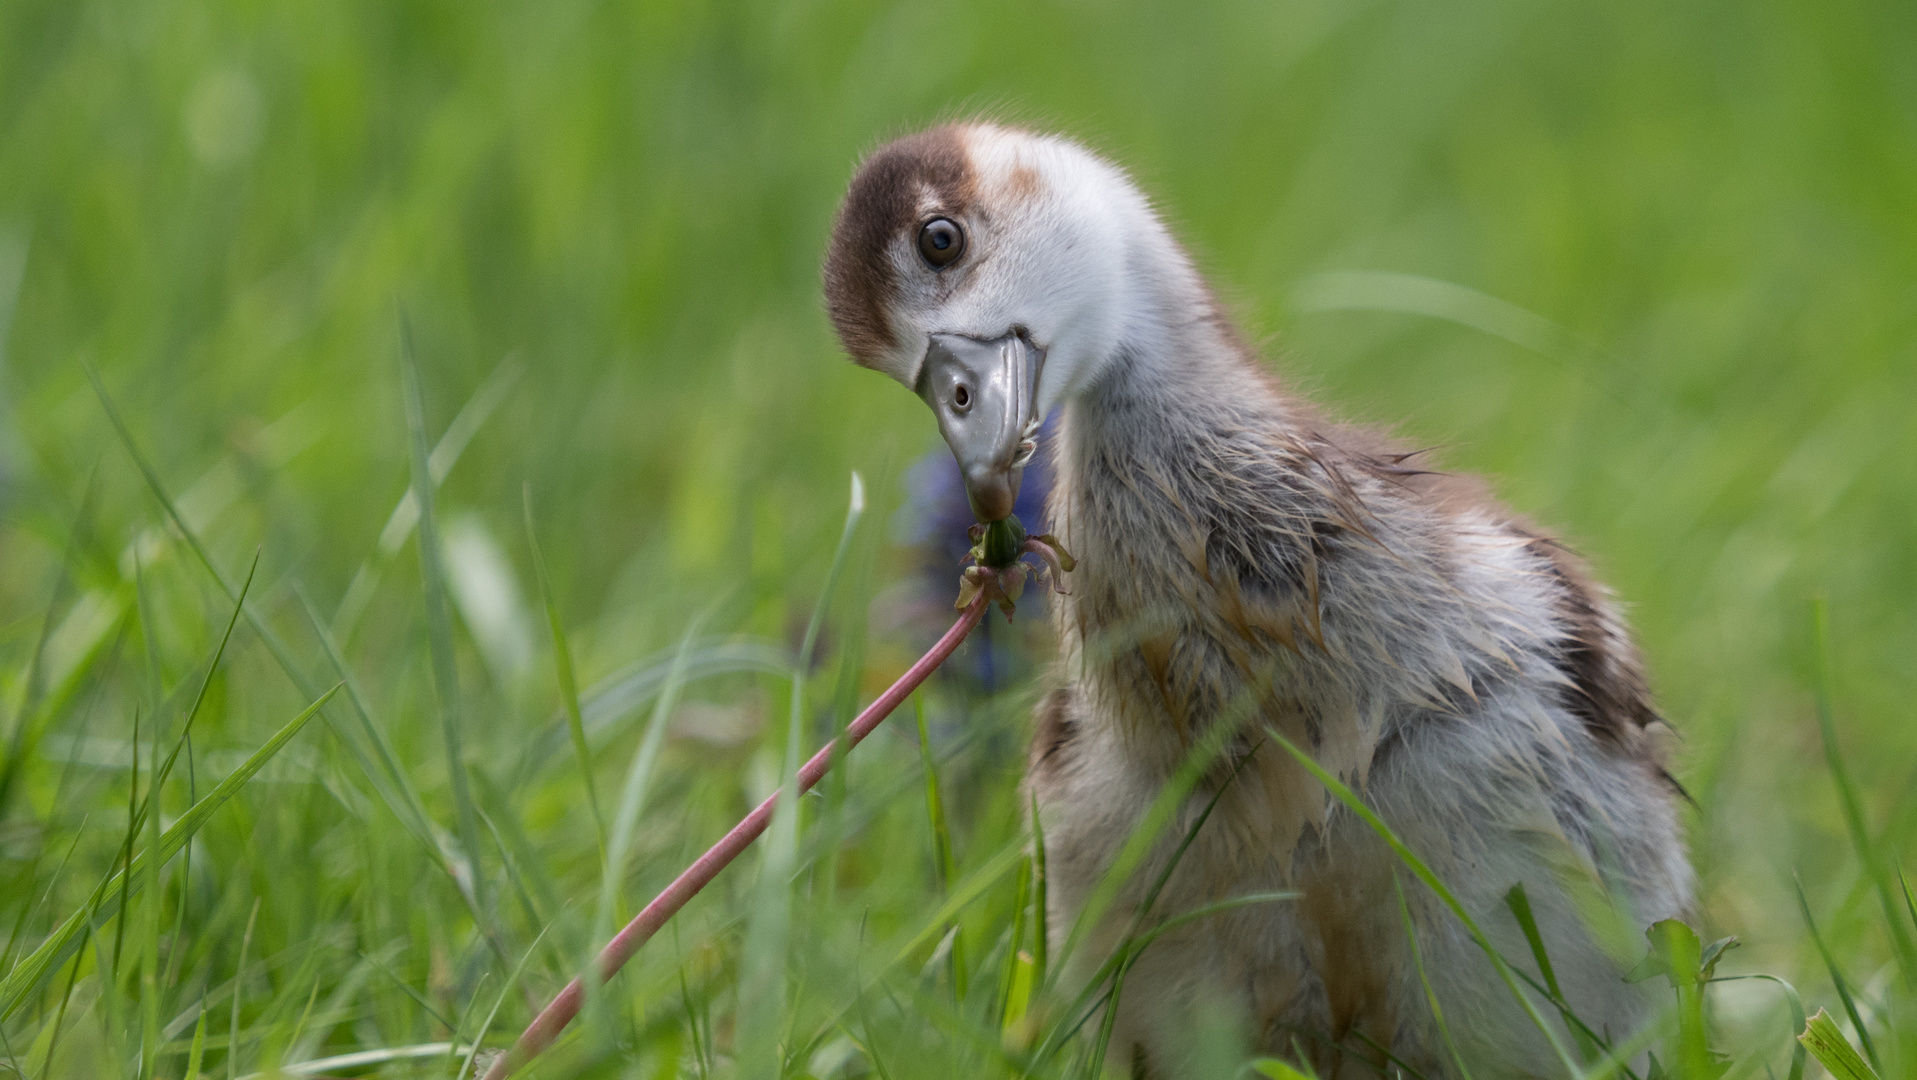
1651	266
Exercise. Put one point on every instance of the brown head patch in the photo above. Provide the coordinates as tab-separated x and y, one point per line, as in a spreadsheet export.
886	199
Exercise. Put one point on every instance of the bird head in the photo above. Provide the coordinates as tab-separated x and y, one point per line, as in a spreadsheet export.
987	269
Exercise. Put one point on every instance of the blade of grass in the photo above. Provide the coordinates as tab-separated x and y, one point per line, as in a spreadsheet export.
1395	1061
627	692
1017	961
1041	912
1136	948
1910	900
1111	977
1520	904
28	973
1655	1033
338	1002
1136	938
954	1023
396	788
26	910
512	980
509	865
632	802
439	627
139	812
1827	1045
150	927
358	1060
941	840
199	1046
1430	994
1110	974
299	1026
397	792
699	1057
962	896
1837	979
1158	816
868	1044
158	772
568	686
1417	866
638	784
149	812
418	998
472	1002
1847	792
239	991
177	947
126	847
405	516
73	976
1797	1017
1590	1043
1145	835
762	1007
27	724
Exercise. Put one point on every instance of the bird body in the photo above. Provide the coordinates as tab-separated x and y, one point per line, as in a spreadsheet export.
1247	567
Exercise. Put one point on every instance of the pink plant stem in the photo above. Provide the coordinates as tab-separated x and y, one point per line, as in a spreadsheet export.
553	1019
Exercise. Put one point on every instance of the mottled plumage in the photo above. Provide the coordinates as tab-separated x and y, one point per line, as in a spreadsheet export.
1243	560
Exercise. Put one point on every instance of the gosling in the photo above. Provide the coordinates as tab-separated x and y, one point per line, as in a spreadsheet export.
1247	566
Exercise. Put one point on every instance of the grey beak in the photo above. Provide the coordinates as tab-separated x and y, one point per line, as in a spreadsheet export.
984	394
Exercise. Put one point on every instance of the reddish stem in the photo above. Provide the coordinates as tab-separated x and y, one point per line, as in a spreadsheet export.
553	1019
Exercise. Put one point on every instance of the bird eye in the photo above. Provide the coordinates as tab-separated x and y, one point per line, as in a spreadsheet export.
962	398
941	242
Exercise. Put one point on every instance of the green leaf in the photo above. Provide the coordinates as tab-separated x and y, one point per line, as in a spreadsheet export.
1675	952
1018	993
1679	955
1707	964
1278	1070
1827	1045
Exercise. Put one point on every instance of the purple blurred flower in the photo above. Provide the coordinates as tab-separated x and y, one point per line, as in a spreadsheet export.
935	520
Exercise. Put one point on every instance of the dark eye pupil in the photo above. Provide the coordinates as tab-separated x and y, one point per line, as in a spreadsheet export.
941	242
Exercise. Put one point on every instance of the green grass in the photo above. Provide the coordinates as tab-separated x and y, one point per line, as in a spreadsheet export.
1653	267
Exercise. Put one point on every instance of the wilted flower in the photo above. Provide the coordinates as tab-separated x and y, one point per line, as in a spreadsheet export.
998	569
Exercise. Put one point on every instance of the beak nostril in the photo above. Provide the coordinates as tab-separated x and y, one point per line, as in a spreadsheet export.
962	397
